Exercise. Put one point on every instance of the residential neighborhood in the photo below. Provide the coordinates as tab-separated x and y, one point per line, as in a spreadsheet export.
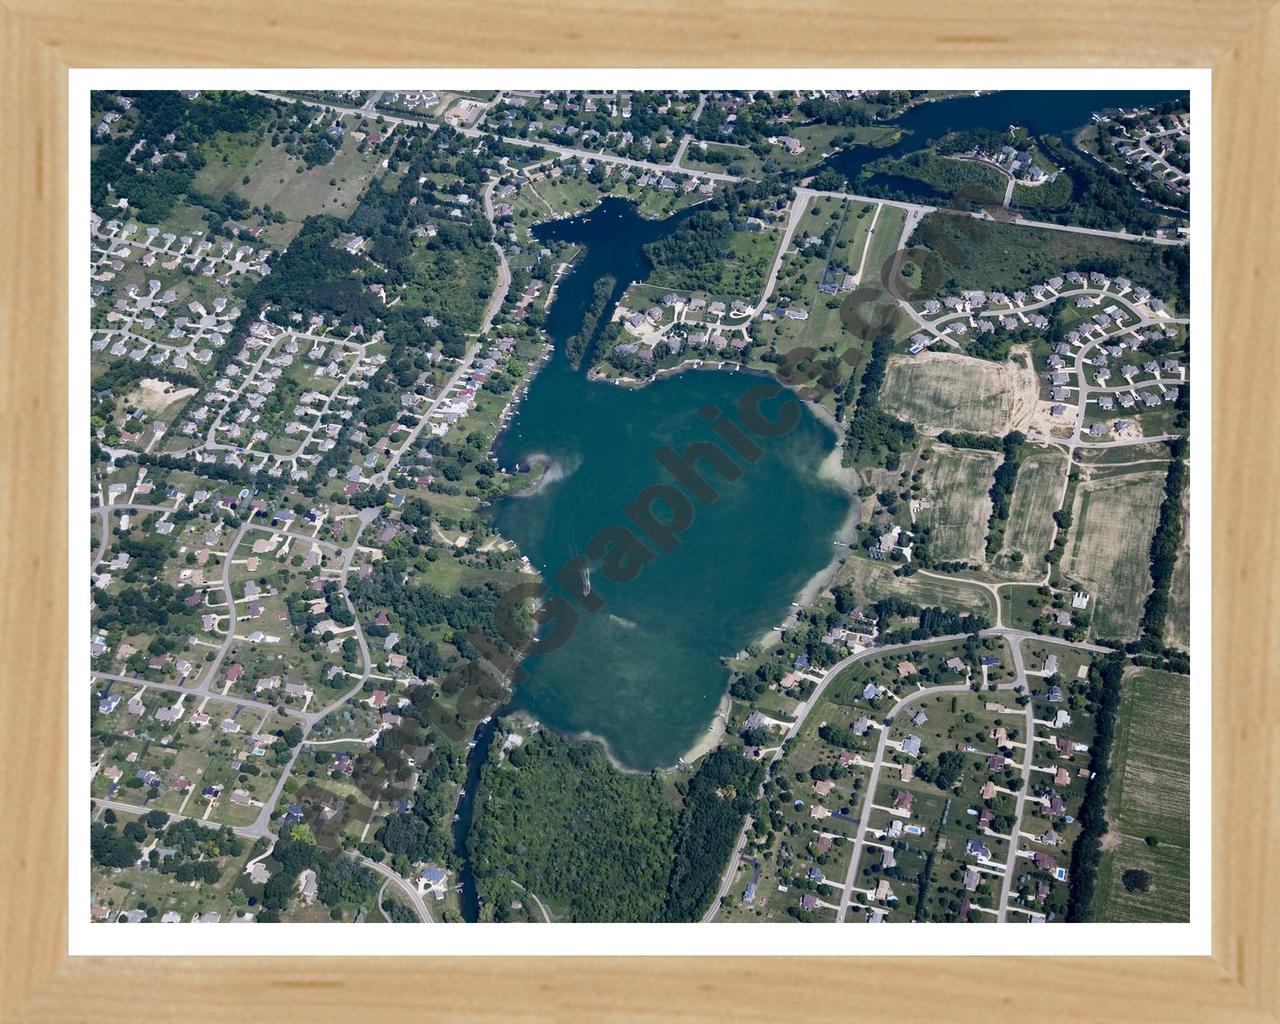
629	505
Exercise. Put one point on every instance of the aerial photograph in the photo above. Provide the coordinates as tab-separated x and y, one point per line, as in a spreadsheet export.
637	505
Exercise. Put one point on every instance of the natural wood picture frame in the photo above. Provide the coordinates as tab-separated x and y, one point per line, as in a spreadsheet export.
40	41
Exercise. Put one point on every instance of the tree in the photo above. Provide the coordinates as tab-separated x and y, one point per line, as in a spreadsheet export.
1136	880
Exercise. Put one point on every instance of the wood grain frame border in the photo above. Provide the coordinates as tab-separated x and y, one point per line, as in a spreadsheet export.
41	39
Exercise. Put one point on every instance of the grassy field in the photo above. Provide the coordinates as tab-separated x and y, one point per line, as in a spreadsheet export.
275	178
1148	796
966	253
554	197
838	353
1178	624
956	483
966	181
947	391
1030	530
740	274
818	140
874	580
1109	550
870	309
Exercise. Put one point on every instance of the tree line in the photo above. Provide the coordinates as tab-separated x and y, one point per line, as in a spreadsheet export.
1165	545
1104	694
1002	484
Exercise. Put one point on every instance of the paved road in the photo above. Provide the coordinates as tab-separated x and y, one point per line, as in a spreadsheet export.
103	515
1097	232
1028	756
501	285
802	713
504	268
550	147
803	710
464	365
869	793
586	154
404	885
866	246
240	702
798	205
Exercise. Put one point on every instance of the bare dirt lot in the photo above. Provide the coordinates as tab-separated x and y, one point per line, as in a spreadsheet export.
153	395
948	391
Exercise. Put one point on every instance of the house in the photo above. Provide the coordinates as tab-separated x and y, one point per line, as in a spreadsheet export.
308	886
906	669
977	848
911	745
902	802
434	880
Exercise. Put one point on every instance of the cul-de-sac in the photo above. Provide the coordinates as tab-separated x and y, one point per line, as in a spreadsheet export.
639	505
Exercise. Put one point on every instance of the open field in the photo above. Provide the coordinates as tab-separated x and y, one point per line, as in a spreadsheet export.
874	580
818	140
947	391
871	310
963	252
282	182
1030	530
1177	629
956	483
1148	796
1109	550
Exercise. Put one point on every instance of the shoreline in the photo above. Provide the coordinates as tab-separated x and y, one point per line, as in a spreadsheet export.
710	739
846	477
829	469
552	470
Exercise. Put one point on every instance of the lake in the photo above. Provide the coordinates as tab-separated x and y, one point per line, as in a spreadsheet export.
1042	112
644	672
